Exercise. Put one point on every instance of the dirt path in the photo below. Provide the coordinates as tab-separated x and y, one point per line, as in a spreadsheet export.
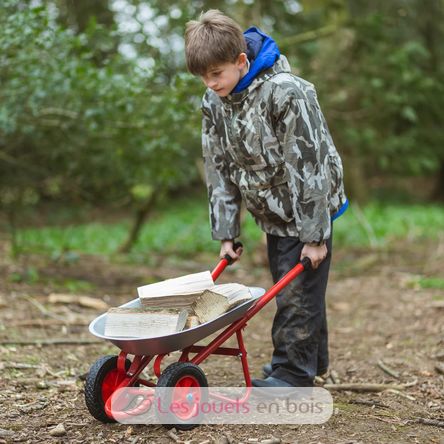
377	312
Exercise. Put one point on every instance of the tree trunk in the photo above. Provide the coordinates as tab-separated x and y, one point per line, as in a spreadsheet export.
355	182
438	192
12	222
140	216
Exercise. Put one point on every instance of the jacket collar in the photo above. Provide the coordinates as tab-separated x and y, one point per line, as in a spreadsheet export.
281	65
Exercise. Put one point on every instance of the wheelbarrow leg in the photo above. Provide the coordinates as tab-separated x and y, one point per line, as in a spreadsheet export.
243	356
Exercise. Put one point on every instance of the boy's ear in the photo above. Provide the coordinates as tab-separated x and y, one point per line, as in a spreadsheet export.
242	60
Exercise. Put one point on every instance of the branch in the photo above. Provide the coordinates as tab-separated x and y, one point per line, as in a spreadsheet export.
42	308
348	115
59	112
432	422
13	161
388	370
308	36
365	387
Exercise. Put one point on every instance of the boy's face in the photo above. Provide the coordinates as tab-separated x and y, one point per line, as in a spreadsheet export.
224	77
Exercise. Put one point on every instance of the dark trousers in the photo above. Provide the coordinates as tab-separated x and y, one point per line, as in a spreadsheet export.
299	332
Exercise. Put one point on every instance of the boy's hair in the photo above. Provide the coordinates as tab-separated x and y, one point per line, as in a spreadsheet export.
212	40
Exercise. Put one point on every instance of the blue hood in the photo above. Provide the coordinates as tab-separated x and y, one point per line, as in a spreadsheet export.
262	52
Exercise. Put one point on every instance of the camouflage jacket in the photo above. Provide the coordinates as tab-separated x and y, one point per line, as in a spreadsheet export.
270	146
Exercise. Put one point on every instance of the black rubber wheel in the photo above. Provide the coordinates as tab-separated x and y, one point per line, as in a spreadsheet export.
181	374
101	381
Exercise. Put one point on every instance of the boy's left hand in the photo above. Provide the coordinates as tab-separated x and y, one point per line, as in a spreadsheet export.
316	254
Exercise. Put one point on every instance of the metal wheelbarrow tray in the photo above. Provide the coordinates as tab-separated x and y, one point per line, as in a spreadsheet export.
177	341
111	373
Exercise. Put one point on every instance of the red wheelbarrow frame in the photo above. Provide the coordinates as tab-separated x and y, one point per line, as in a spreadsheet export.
116	380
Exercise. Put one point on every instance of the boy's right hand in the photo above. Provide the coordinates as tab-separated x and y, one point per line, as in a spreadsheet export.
226	247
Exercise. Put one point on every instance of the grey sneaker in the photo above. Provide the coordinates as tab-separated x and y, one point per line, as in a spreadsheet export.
270	382
273	387
266	370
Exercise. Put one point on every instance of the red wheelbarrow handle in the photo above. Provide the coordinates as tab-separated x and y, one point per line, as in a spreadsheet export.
227	260
304	265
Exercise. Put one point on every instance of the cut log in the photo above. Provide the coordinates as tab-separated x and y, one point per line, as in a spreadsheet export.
143	322
235	294
221	298
209	306
192	321
177	293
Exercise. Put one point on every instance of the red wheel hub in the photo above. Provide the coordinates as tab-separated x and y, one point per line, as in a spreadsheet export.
186	396
110	383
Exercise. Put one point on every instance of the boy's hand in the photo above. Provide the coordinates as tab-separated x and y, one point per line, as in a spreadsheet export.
226	247
316	254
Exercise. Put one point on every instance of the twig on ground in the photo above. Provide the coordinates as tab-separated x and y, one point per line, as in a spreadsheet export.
18	365
41	308
403	395
394	420
439	356
173	436
271	440
26	381
432	422
364	387
83	301
47	323
440	368
369	403
388	370
335	377
49	342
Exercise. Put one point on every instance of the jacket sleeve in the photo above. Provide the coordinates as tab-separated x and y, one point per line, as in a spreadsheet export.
303	134
224	196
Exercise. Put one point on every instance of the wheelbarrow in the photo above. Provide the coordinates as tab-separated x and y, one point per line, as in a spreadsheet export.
110	374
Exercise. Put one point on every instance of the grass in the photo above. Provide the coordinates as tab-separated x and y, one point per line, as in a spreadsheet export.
182	228
431	282
379	225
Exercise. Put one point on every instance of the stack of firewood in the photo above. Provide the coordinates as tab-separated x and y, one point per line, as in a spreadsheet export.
173	305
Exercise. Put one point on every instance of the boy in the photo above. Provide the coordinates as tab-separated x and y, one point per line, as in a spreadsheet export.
265	142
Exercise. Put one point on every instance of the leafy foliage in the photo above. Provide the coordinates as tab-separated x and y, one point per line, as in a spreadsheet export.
70	128
379	77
